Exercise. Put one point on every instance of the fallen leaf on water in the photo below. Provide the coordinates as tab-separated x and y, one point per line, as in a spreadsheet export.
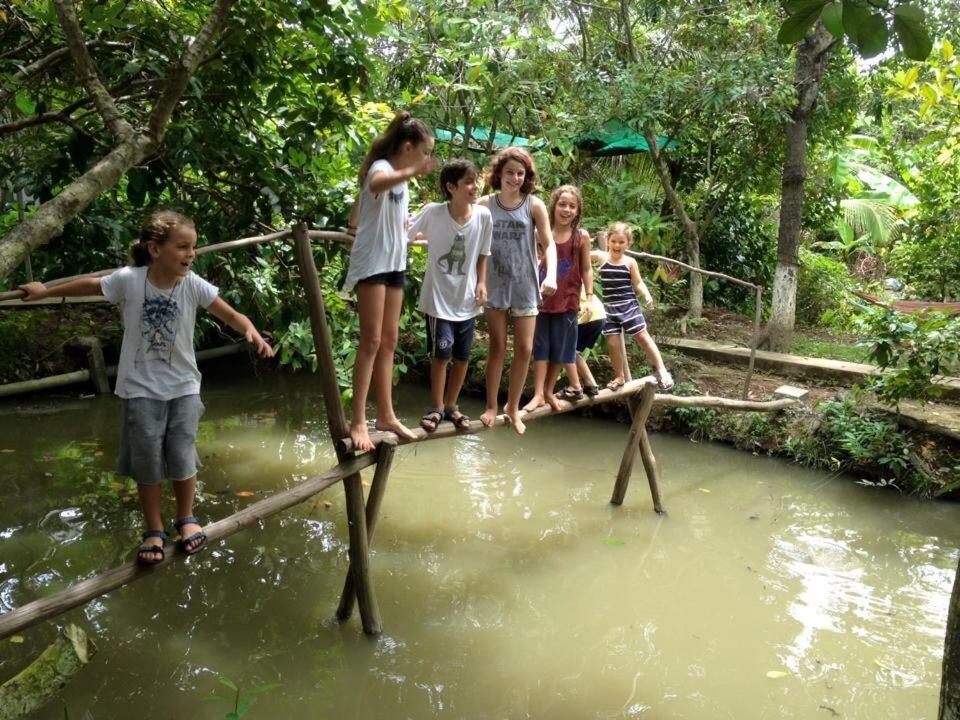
613	541
776	674
703	490
17	639
244	493
325	503
365	483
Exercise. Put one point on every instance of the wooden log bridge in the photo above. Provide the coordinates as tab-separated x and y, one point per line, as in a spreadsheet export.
362	515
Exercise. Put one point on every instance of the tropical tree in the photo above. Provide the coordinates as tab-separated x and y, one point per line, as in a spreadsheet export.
818	27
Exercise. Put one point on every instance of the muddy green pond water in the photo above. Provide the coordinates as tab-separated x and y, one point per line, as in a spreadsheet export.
509	586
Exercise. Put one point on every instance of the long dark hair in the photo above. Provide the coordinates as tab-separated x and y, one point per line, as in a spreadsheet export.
157	229
403	128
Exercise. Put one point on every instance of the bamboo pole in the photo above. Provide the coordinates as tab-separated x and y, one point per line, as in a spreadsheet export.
701	271
78	376
446	429
638	431
83	592
385	453
754	341
337	421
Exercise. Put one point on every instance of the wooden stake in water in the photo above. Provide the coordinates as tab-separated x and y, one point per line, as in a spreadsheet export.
637	439
337	421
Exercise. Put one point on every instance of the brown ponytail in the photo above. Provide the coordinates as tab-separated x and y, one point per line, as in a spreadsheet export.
156	229
403	128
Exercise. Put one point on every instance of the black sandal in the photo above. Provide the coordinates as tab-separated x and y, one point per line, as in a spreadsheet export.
198	540
591	390
462	422
434	417
568	393
154	550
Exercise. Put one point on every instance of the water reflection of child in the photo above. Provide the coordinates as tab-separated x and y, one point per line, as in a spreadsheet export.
157	377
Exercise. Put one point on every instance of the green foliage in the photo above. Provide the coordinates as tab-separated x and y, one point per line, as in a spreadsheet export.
926	106
864	23
913	349
823	291
243	698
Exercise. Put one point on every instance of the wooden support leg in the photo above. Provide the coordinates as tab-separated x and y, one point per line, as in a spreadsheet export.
638	438
385	452
336	418
98	366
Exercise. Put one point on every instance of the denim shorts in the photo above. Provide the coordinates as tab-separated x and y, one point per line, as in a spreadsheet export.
159	439
394	278
449	338
517	312
555	338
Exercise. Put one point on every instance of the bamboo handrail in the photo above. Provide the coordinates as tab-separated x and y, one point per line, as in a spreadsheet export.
45	608
711	273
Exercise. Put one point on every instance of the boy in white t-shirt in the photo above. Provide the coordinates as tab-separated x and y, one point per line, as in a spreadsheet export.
454	289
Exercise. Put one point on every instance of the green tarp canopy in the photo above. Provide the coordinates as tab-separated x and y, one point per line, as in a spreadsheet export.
479	137
615	138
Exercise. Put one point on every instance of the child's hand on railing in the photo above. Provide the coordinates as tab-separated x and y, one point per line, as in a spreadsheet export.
34	291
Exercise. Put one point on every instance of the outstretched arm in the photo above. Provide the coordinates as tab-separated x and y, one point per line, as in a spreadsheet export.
542	224
639	285
221	310
80	286
383	181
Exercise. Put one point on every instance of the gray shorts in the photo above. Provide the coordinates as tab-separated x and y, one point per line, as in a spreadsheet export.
159	439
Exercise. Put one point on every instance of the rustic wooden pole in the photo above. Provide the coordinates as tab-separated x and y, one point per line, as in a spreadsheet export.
385	452
86	590
337	422
754	341
44	678
641	412
98	366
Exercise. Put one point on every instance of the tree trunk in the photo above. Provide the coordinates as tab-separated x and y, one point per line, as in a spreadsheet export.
690	231
950	684
133	145
813	54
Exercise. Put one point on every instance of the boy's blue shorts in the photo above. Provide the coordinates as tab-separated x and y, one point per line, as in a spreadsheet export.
448	339
159	439
555	338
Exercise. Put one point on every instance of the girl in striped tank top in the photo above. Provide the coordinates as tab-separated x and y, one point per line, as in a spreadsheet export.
621	281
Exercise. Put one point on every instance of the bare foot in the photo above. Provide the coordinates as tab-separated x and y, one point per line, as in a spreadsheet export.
535	402
360	438
513	417
553	402
395	426
489	416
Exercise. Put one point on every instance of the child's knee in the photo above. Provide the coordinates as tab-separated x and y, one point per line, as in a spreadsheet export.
369	342
389	339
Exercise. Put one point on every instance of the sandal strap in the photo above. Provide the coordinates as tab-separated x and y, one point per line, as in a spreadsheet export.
162	534
186	521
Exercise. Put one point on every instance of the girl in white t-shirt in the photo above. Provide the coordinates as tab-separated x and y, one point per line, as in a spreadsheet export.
157	376
378	263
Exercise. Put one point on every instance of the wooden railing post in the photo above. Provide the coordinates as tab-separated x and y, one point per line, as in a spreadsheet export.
337	422
754	341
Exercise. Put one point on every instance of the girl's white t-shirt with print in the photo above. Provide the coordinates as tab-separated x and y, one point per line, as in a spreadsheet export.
450	282
380	245
157	358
